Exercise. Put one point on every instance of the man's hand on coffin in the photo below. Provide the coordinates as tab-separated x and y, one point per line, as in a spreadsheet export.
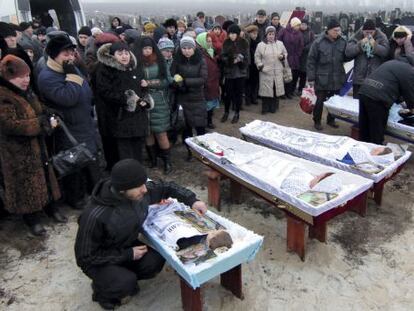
200	207
139	251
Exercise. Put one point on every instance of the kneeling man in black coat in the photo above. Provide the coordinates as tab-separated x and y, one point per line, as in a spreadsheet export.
107	247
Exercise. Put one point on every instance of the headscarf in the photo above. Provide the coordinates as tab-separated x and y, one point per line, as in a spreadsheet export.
202	41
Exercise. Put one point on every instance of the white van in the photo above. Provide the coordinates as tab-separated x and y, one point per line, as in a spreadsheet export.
67	14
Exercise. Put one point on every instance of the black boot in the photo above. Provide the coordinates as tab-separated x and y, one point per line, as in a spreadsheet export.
189	154
165	155
53	211
33	222
210	124
152	155
224	117
265	106
235	118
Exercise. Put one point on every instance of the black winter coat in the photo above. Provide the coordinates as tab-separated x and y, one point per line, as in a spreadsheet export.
389	82
110	224
191	96
111	81
229	53
326	63
308	38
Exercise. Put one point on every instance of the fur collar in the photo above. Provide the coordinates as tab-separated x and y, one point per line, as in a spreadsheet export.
54	65
107	59
12	88
194	60
240	44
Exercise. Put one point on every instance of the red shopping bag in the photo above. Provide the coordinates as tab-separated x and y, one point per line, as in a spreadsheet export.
307	100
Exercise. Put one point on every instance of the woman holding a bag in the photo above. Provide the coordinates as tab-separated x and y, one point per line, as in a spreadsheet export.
29	181
269	57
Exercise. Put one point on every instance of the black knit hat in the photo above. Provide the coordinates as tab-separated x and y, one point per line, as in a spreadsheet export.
58	44
234	29
41	30
128	174
85	30
261	12
6	30
333	23
24	25
369	25
171	22
118	46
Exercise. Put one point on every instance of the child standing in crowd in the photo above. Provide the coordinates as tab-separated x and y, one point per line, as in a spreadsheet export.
156	80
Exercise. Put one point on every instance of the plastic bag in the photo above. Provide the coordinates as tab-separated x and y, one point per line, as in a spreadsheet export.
307	100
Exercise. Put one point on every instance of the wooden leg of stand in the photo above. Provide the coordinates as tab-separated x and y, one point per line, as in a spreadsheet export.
378	189
361	207
232	280
296	236
355	132
235	192
319	231
214	189
190	298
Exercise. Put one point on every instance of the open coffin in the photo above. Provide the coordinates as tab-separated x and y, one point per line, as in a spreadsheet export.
347	108
245	246
326	149
262	168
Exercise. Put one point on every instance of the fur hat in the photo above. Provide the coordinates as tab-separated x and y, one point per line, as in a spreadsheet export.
165	44
401	32
170	22
85	30
181	23
149	27
333	23
12	67
234	29
128	174
295	22
369	25
251	28
187	42
57	45
6	30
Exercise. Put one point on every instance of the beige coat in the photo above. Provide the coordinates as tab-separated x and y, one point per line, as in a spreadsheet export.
267	58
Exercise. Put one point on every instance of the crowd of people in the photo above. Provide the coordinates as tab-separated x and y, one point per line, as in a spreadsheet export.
120	91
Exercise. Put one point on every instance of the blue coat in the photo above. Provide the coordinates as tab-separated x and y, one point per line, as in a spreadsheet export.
71	96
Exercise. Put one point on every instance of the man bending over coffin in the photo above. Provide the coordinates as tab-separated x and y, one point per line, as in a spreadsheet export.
106	248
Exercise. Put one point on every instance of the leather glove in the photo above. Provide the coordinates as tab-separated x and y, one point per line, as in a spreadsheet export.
69	68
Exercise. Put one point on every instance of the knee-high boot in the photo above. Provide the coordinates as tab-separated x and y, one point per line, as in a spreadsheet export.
152	155
166	157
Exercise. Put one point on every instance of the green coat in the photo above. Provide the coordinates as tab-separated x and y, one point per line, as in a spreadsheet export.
160	114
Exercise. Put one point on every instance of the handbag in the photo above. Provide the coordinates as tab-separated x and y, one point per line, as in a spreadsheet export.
287	73
71	160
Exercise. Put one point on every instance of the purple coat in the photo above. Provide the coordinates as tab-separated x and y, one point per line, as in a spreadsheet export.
293	41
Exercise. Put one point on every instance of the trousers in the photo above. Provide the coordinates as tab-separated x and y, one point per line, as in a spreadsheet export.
322	96
373	118
114	282
234	94
130	148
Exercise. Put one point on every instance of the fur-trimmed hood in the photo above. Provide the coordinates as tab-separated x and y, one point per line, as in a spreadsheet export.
107	59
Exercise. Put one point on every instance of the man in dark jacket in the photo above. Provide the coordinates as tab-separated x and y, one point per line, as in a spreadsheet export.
385	86
325	69
64	89
107	247
369	47
261	22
